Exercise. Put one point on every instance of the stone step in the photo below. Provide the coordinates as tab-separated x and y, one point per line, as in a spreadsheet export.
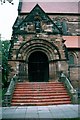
28	83
41	103
42	86
40	100
45	88
39	89
39	84
40	97
40	93
33	88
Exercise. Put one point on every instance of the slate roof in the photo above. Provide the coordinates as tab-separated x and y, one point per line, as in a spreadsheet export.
51	7
72	41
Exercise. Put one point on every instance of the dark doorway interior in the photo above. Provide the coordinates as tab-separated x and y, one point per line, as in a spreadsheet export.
38	67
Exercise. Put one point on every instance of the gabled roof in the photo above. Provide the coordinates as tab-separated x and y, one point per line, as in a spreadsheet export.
37	10
51	7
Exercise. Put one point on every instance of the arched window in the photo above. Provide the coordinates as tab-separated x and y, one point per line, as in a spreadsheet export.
71	59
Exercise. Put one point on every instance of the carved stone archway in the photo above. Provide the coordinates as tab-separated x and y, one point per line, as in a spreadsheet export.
42	46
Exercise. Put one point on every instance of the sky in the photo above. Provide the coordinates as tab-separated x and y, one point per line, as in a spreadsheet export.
9	13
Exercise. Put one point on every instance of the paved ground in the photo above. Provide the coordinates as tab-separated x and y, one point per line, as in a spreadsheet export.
40	112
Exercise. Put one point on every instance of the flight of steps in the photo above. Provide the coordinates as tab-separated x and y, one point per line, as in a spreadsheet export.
39	93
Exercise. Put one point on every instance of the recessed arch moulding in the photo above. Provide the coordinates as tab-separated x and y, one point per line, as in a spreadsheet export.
50	49
53	50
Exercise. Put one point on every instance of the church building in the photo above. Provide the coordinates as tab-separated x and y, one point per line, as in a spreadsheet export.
46	42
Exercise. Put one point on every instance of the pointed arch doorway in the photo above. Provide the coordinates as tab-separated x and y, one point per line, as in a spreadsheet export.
38	67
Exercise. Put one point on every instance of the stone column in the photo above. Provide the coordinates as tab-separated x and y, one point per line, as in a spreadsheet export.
59	68
52	71
26	67
62	67
21	71
17	69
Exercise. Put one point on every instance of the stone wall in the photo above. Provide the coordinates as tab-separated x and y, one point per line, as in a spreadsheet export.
75	76
70	24
74	69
